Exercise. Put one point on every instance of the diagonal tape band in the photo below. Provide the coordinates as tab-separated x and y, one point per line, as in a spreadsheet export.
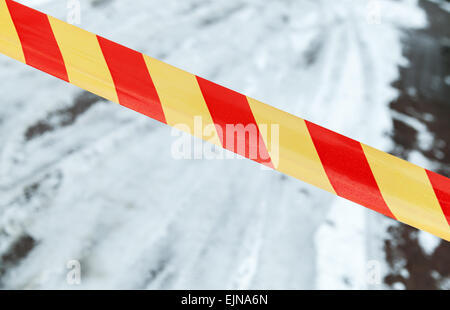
316	155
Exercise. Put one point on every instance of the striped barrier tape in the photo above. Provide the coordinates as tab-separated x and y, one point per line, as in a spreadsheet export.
306	151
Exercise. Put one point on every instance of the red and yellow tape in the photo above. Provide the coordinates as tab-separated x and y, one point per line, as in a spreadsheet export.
335	163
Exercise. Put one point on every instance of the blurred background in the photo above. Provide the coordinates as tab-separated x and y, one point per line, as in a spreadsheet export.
88	181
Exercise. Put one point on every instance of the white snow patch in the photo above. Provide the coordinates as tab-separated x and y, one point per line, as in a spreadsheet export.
340	240
428	242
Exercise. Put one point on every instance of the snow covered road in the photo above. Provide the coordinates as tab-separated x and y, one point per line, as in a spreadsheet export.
87	180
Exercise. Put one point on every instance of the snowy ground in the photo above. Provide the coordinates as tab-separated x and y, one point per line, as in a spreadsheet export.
83	179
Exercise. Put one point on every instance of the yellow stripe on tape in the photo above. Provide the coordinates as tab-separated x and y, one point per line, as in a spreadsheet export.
408	192
296	154
85	64
9	40
182	100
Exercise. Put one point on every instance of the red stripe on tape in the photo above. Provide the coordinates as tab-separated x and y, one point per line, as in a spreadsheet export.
135	88
441	186
39	45
347	168
228	107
